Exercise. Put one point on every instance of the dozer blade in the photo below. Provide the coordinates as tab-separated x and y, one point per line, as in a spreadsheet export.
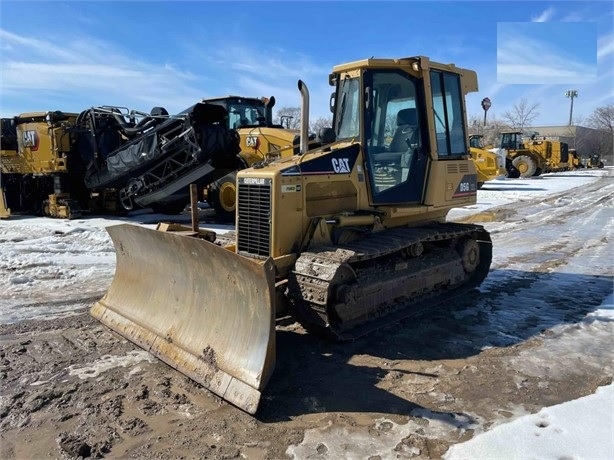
202	309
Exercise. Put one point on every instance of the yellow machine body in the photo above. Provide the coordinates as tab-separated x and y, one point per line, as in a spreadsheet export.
348	235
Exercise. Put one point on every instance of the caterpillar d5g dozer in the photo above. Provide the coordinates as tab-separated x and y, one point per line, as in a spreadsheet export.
349	235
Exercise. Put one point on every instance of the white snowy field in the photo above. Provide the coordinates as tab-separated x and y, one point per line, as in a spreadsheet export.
560	225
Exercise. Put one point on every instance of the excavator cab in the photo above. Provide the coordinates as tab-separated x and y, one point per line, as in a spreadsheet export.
349	235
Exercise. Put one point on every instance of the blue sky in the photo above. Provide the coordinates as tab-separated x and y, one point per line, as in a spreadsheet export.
62	55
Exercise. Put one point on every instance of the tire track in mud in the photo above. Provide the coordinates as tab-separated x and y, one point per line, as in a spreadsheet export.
546	277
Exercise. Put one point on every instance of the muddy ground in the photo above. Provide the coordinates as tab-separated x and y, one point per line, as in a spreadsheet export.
73	388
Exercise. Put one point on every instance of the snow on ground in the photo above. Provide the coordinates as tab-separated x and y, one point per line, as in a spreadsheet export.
579	429
55	266
50	267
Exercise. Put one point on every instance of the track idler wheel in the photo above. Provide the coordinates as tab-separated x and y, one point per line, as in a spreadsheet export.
469	251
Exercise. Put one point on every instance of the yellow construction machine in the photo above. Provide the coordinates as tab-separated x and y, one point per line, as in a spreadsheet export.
489	165
594	161
260	139
39	170
8	148
347	236
533	156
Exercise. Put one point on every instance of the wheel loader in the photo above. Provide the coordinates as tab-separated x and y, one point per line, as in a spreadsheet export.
347	236
532	156
260	138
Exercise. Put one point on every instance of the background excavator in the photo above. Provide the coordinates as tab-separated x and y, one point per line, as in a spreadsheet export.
347	236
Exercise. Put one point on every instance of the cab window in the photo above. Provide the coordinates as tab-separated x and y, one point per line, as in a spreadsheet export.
448	114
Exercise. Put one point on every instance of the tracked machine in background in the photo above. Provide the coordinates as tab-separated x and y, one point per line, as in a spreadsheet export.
349	235
150	159
41	173
594	161
8	149
106	160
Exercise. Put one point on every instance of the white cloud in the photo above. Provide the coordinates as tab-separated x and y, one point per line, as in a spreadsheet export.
544	16
605	46
521	59
74	73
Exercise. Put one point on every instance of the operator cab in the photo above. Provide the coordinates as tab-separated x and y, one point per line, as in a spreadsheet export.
245	112
390	106
511	141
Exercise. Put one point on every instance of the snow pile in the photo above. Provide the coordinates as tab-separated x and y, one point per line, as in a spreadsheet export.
579	429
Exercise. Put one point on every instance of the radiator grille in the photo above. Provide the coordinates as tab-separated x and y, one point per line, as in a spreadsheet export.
254	216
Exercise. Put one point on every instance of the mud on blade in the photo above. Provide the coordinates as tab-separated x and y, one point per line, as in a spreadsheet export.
202	309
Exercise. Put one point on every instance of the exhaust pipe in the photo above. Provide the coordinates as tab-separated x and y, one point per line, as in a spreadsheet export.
302	87
268	110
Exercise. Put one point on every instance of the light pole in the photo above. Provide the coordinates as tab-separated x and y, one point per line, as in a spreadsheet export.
571	94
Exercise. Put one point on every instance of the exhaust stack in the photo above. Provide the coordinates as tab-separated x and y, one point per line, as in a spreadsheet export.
268	110
302	87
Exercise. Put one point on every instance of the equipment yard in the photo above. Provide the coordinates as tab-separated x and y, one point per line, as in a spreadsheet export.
536	333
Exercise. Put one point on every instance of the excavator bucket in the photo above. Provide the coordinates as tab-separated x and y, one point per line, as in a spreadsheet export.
204	310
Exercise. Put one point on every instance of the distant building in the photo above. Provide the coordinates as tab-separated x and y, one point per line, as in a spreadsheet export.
568	134
586	141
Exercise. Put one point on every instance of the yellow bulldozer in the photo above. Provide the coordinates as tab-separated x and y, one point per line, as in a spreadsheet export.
489	165
347	236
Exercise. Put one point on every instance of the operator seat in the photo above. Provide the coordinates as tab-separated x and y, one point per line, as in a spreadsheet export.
407	126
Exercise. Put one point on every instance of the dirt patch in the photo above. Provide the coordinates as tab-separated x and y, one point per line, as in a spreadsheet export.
73	388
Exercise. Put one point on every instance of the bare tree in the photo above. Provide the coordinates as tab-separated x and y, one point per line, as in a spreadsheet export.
494	127
602	118
319	123
521	115
602	141
474	124
289	117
